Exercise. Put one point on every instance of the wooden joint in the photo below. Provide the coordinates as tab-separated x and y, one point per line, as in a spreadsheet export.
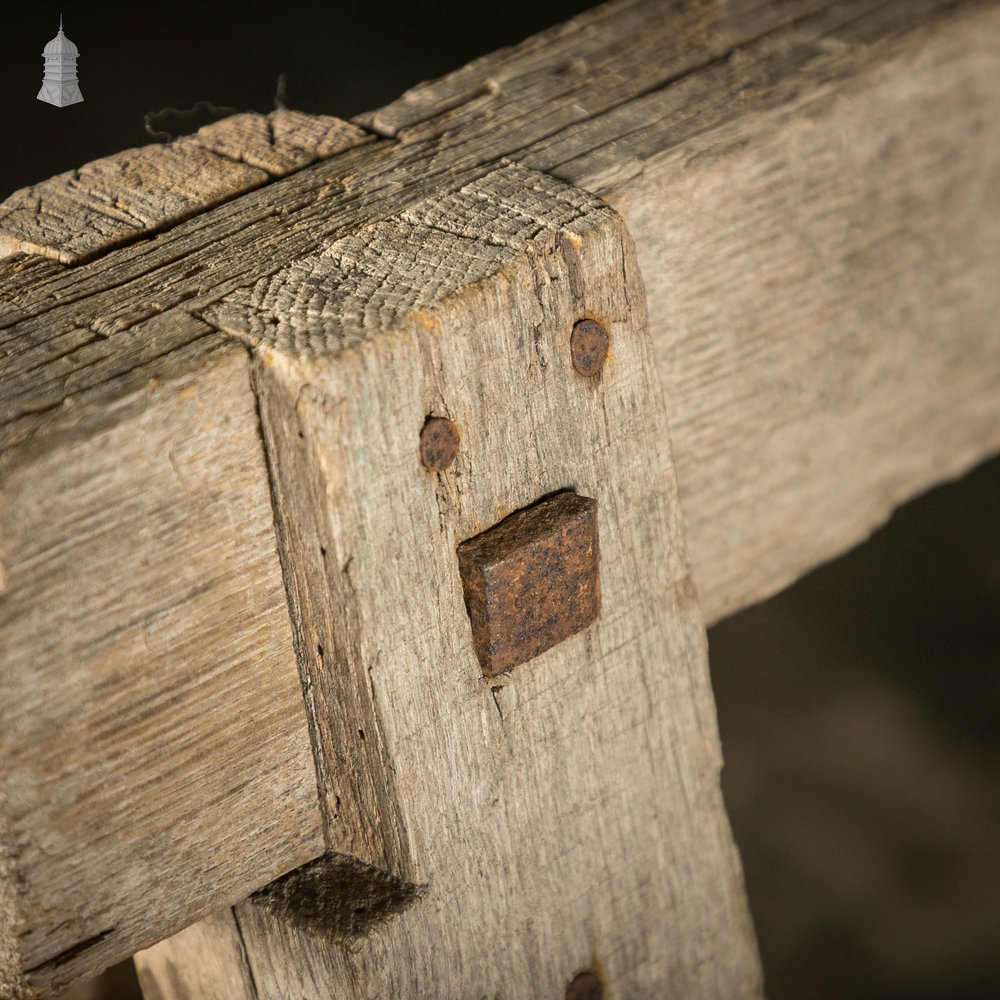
241	446
438	768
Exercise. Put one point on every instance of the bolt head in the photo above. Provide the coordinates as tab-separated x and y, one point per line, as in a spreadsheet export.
532	580
585	986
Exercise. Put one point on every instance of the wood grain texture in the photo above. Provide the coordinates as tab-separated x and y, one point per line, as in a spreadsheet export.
816	211
821	271
550	814
10	958
812	188
867	116
76	215
207	961
157	760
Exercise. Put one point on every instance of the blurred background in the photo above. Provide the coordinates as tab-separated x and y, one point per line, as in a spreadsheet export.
860	718
860	709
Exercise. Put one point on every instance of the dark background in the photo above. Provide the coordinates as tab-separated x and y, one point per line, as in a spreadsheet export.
338	58
860	719
860	710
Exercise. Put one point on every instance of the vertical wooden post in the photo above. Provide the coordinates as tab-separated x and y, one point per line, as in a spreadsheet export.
487	835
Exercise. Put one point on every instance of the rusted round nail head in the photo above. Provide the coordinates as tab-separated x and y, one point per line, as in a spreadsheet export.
439	441
585	986
589	343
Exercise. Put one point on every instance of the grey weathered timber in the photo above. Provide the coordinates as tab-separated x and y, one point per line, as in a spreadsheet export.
872	127
567	813
155	745
74	216
813	190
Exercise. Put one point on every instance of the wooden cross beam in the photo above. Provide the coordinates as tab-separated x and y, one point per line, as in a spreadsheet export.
372	714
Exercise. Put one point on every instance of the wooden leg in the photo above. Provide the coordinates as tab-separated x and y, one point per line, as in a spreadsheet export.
487	835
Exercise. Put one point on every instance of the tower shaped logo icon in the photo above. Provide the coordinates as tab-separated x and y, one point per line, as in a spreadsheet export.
59	86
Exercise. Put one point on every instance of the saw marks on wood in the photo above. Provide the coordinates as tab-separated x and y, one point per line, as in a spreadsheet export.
365	283
76	215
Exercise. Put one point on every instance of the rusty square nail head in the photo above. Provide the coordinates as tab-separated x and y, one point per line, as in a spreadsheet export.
532	580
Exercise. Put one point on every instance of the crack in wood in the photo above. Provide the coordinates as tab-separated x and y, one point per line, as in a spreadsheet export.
63	957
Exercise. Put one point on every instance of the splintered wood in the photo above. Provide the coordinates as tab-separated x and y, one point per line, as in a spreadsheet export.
259	385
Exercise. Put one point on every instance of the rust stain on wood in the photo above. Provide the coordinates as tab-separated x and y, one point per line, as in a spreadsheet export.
589	343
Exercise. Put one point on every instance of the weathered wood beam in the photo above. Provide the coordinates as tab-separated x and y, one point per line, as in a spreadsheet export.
814	193
776	164
546	814
155	745
75	216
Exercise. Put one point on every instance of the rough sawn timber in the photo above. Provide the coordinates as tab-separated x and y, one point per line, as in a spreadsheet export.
567	813
813	192
155	746
817	218
784	168
138	192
